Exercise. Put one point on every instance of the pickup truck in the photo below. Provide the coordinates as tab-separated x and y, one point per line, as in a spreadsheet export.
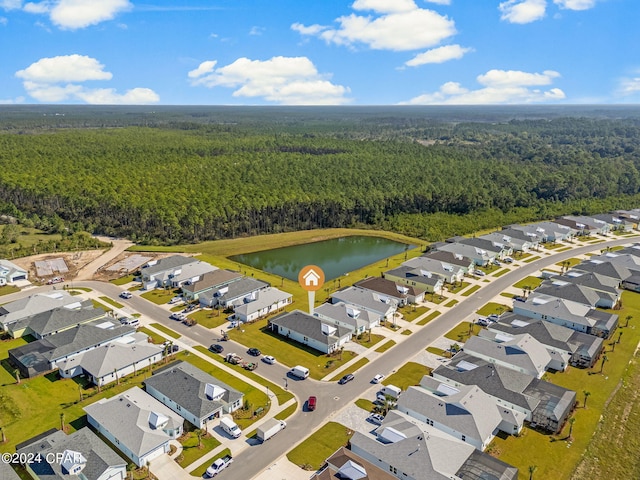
219	465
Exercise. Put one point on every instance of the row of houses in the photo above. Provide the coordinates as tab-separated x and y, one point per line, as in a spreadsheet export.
139	423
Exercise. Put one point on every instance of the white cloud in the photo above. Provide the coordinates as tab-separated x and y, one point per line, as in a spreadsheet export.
75	14
629	86
11	101
522	11
439	55
59	79
66	68
440	2
3	20
401	25
257	31
10	4
284	80
575	4
499	87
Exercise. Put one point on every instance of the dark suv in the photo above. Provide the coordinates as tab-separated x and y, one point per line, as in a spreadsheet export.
216	348
254	352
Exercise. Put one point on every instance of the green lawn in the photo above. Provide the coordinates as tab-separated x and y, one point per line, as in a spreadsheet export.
287	412
160	296
531	259
209	318
97	304
429	317
281	395
462	332
499	273
311	454
288	352
507	295
493	307
190	450
458	287
406	332
122	280
367	340
411	312
473	289
7	289
351	369
570	262
365	404
407	375
533	282
111	302
166	330
452	303
385	346
157	338
436	351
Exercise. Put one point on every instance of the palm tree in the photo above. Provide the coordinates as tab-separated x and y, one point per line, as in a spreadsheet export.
532	469
572	420
62	422
586	395
619	336
627	319
199	434
4	438
604	359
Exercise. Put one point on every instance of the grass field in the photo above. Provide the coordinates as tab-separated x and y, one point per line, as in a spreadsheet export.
436	351
493	307
531	259
166	330
462	332
7	289
311	454
473	289
287	412
190	450
570	262
157	339
366	340
407	375
429	317
451	303
122	280
385	346
209	318
532	282
111	302
160	296
411	312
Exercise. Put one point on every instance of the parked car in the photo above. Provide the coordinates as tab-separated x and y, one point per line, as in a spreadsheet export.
496	262
216	348
126	295
55	280
269	359
174	348
346	379
378	378
311	403
483	321
177	316
494	317
507	260
175	300
479	273
519	298
254	352
376	418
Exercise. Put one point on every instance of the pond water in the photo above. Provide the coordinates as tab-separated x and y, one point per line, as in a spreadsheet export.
336	256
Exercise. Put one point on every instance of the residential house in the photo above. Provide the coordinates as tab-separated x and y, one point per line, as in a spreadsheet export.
54	321
615	222
415	278
346	465
11	273
192	393
479	256
266	301
573	315
583	349
403	294
629	216
27	307
602	285
79	455
233	294
578	293
545	405
319	334
453	258
530	235
366	300
136	424
550	231
209	281
411	450
515	242
501	249
449	272
521	353
348	316
466	412
173	271
605	269
43	356
112	361
583	225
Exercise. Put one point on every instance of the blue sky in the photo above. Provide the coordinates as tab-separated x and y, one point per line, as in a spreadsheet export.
319	52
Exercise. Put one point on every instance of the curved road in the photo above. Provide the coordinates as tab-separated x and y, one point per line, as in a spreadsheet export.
331	396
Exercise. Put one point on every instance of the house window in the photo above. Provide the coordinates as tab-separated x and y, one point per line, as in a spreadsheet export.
305	339
464	438
393	469
178	408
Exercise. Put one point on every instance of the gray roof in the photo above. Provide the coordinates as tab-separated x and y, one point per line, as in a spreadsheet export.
309	326
522	352
484	244
514	242
346	313
383	286
127	418
46	323
438	267
210	280
549	229
240	288
482	466
573	292
468	251
34	304
168	263
522	233
449	257
116	355
97	453
265	298
192	270
414	275
606	269
366	299
469	410
185	384
591	280
7	473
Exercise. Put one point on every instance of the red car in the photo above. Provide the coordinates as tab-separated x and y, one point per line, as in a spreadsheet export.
311	404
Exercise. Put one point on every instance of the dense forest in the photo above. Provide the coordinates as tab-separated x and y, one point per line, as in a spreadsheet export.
179	175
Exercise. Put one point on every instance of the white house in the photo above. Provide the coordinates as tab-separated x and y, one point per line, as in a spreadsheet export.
11	273
309	330
264	302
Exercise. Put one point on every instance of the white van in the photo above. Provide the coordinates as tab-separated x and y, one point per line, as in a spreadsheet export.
390	390
130	322
230	427
299	372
